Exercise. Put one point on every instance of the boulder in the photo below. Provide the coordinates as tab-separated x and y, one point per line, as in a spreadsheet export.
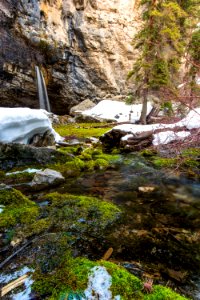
84	105
47	177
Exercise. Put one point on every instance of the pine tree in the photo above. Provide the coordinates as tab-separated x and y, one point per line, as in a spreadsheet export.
160	46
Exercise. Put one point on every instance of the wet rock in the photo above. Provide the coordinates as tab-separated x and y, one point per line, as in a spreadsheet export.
15	155
46	178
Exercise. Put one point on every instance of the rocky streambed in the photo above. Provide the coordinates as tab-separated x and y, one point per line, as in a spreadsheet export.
134	210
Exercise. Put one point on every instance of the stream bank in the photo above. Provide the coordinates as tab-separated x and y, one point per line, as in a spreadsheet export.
136	204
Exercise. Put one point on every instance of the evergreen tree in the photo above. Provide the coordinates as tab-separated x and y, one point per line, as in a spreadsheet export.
160	46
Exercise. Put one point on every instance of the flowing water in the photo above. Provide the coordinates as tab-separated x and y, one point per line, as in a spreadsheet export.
42	90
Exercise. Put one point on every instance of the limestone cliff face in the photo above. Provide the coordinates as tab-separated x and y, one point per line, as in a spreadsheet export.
83	47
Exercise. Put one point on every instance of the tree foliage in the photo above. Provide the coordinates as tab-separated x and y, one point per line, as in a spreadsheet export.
161	45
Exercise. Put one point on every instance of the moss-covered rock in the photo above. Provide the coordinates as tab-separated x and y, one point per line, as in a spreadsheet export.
70	280
88	160
81	215
20	215
18	208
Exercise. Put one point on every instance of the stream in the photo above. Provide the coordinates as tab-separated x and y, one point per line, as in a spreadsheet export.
160	228
159	234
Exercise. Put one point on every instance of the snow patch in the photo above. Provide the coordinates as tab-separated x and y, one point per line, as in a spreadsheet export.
5	278
19	125
116	111
168	136
29	170
126	137
191	121
26	293
99	285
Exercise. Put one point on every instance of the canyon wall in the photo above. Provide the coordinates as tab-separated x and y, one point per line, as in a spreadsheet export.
83	48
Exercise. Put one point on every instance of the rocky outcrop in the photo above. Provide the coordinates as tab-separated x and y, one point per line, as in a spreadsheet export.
82	46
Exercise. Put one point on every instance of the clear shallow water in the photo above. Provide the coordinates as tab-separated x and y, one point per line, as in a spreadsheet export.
160	228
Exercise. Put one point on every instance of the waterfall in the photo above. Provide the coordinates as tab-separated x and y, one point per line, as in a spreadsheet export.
42	90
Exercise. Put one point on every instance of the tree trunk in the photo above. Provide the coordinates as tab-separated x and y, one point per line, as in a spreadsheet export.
143	115
153	113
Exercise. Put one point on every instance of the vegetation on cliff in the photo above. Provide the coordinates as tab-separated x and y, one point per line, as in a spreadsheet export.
161	43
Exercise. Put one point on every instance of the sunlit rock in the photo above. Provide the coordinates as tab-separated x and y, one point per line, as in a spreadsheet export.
46	178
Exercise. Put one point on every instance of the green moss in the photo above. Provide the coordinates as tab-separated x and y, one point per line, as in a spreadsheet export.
148	152
191	152
85	156
81	130
124	284
13	197
71	168
164	162
71	279
2	175
163	293
75	150
18	208
81	215
88	160
71	276
101	163
90	165
36	227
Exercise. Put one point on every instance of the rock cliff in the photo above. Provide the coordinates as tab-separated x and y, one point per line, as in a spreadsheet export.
82	46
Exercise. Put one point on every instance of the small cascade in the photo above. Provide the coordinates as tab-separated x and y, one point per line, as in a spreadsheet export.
42	90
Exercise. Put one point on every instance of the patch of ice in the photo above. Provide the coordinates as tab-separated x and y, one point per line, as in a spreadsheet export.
116	110
168	136
29	170
99	285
